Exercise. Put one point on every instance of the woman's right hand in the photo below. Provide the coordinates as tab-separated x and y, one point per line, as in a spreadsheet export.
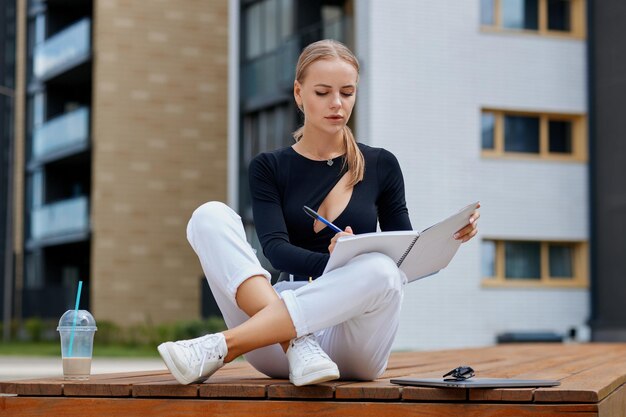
333	241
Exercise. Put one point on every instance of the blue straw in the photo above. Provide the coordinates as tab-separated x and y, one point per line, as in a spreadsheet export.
80	287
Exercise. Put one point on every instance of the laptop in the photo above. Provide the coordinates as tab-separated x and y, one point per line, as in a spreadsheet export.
476	383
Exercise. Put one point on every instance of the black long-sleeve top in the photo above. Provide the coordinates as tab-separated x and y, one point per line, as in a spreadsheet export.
283	181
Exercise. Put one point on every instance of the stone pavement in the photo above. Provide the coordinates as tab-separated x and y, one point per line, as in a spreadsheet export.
22	367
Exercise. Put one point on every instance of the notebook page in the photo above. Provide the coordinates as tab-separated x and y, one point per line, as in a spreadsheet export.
436	247
392	244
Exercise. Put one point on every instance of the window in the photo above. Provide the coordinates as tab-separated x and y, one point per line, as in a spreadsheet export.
538	135
520	14
544	17
267	24
487	12
521	134
488	122
529	263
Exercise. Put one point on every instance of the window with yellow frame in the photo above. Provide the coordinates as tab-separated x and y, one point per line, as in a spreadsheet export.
535	135
534	263
543	17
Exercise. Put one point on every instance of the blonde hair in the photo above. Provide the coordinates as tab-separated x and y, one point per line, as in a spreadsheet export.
331	49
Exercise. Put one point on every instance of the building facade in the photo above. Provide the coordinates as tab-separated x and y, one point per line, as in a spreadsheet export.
487	102
484	100
166	102
120	135
607	66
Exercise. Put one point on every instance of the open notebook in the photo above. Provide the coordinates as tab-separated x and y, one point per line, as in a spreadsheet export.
417	254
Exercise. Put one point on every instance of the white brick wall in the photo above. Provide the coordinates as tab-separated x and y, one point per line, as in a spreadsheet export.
427	71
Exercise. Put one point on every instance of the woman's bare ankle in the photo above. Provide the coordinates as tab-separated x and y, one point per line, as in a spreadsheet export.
232	347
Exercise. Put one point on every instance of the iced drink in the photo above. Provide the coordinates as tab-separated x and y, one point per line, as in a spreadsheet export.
77	329
76	368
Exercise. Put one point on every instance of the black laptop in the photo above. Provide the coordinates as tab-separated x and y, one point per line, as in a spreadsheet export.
476	383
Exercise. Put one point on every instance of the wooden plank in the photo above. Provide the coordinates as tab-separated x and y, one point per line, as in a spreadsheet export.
118	386
588	373
578	375
540	361
124	375
8	388
590	385
375	390
170	388
227	387
286	389
97	390
130	407
614	405
492	366
502	395
36	387
52	386
433	394
557	357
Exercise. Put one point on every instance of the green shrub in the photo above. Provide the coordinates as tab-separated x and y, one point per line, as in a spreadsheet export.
13	326
151	335
108	333
34	327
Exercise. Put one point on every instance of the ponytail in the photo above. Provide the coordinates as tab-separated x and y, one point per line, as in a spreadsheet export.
354	158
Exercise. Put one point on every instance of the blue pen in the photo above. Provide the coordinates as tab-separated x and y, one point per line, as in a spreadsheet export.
316	216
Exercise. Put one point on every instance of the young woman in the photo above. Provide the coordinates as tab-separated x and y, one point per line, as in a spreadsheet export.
310	327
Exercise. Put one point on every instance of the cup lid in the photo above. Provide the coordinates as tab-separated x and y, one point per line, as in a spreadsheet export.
84	320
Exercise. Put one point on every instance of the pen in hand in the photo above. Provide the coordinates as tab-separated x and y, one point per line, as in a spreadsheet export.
316	216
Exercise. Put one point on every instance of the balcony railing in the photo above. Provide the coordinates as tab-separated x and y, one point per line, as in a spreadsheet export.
62	49
67	131
61	218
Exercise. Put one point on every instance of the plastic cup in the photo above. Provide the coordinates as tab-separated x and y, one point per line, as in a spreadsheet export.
77	343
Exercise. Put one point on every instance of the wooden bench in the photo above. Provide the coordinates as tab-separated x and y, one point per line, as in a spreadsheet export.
592	379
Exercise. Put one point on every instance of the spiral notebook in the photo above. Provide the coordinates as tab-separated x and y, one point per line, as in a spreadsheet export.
417	254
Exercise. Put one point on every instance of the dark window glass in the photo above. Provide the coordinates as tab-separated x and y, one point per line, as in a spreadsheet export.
559	15
271	25
488	121
560	136
33	274
561	261
520	14
286	13
486	12
522	260
254	31
521	134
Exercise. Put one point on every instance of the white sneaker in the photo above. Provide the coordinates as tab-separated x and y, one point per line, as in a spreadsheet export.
308	363
194	360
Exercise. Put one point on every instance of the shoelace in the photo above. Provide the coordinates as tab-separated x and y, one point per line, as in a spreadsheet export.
309	347
201	350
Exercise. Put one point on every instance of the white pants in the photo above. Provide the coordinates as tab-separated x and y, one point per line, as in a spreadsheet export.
353	310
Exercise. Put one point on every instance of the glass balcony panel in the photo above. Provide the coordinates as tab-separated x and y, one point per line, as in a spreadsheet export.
62	132
63	48
63	217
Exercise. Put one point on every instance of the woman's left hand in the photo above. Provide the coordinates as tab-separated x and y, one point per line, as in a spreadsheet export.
469	231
